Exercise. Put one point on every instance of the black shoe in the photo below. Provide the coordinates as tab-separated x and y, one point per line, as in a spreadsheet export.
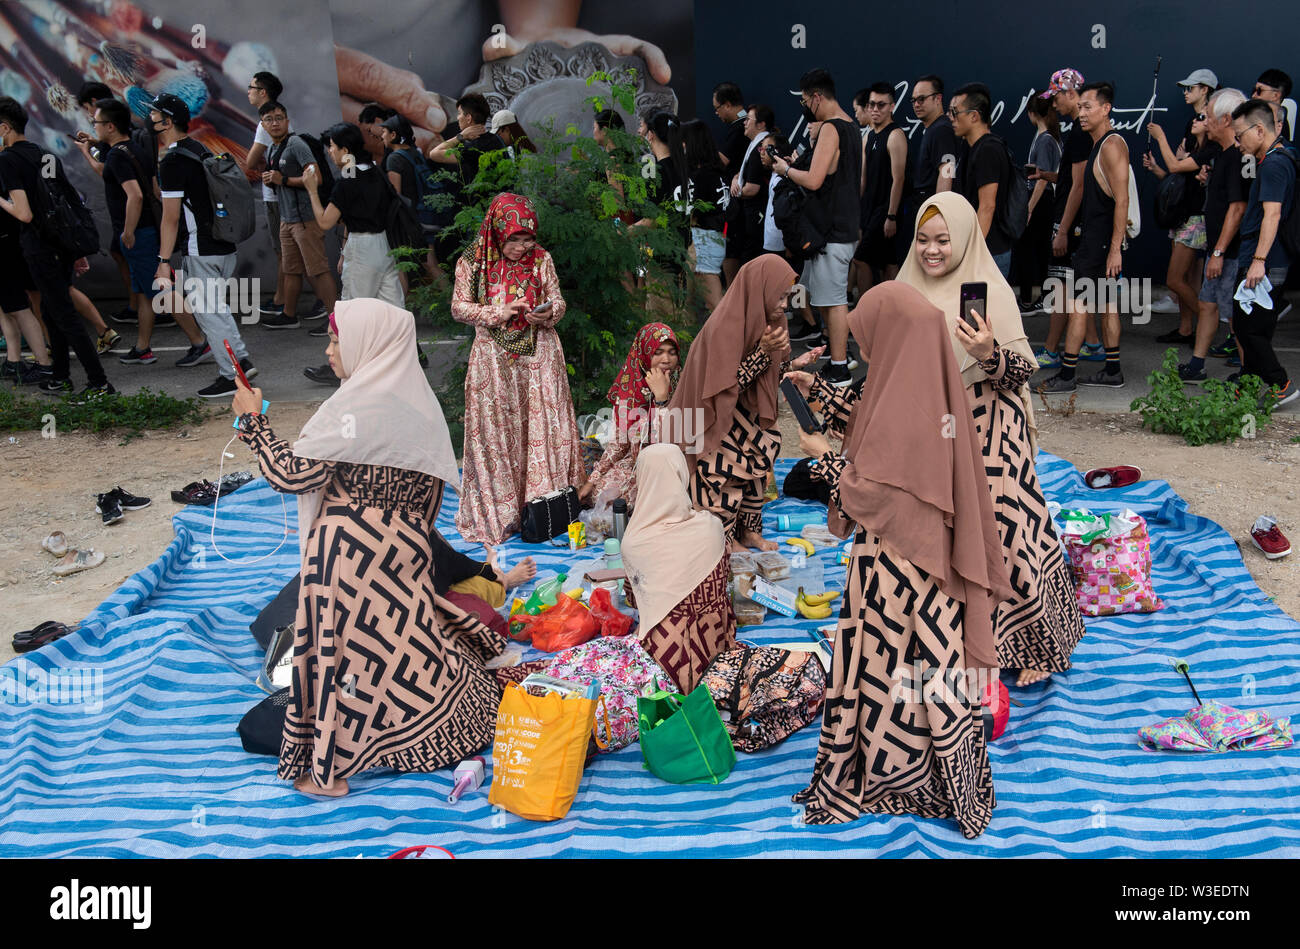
134	356
1188	374
280	321
1056	385
163	319
94	393
318	313
246	364
13	371
322	330
1033	309
322	374
1104	380
33	374
838	376
109	507
52	386
127	315
127	501
270	309
196	354
222	387
1175	338
804	332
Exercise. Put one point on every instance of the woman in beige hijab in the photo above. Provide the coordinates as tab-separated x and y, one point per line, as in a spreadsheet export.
1038	627
386	674
677	569
902	731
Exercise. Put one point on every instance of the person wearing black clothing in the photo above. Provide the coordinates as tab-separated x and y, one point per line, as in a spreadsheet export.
729	107
468	145
17	320
22	196
939	153
1098	263
749	188
835	176
404	166
186	228
1226	189
1273	86
884	184
984	175
477	587
707	187
1032	252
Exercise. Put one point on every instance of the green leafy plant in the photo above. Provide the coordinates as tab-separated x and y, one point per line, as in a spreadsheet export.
614	278
132	413
1224	413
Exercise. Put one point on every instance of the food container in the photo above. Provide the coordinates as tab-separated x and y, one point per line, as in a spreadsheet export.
748	613
743	570
819	535
772	566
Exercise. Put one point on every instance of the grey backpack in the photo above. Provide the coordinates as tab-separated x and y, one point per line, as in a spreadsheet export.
232	198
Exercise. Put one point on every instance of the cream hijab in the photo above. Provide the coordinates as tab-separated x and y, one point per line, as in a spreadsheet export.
668	549
384	412
972	263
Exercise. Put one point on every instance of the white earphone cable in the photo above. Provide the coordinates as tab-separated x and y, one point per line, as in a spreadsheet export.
221	467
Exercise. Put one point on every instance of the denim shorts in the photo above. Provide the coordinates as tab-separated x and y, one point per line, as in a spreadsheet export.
1220	290
142	259
710	248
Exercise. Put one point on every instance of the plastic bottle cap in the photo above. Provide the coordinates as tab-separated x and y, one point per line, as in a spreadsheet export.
620	504
612	546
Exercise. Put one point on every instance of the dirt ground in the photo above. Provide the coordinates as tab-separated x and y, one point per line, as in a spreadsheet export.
50	484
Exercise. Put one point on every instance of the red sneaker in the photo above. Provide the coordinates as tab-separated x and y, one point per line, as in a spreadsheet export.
1271	541
1120	476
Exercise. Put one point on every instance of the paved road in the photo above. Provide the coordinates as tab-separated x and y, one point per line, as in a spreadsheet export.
281	355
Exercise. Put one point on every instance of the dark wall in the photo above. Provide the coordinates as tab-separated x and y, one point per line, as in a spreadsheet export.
1012	46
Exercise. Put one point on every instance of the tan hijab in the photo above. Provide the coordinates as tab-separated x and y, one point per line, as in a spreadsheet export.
384	412
668	549
972	263
708	380
915	475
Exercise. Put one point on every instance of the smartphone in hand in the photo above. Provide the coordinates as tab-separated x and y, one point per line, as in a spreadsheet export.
799	405
974	296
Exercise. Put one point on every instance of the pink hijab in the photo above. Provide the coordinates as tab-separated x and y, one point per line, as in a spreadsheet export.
384	412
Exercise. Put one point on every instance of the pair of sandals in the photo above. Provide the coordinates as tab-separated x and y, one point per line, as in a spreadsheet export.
71	559
42	635
204	493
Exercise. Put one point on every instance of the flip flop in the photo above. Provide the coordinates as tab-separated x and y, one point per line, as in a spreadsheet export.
1120	476
56	544
78	560
47	632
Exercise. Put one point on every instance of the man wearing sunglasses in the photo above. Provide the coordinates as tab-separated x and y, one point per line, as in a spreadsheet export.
936	160
1273	86
984	175
266	87
1271	201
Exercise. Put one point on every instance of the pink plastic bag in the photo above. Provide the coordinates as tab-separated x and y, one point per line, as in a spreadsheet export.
1110	556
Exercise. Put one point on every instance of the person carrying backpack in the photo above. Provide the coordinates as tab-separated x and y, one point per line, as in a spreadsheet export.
191	226
416	182
57	232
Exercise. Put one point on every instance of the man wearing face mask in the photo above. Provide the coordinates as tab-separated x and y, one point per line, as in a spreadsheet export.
834	176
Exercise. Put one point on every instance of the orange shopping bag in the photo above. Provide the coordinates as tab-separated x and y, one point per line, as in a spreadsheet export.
539	751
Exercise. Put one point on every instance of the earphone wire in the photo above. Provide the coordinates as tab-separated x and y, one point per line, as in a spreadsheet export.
212	534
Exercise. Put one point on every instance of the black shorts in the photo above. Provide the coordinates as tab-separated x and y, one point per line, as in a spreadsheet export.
1060	267
15	278
1089	261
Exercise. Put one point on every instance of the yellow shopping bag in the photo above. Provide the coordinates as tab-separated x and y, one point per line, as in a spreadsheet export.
539	751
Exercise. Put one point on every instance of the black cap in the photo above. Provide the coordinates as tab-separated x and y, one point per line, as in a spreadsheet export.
620	504
171	105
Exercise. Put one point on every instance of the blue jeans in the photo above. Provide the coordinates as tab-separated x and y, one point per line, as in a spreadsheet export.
1004	263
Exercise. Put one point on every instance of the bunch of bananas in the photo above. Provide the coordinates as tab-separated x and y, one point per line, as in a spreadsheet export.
805	546
817	606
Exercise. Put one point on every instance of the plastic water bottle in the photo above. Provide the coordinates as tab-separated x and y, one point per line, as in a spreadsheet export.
792	522
545	594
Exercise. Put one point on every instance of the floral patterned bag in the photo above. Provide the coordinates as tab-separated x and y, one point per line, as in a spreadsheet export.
764	694
623	667
1110	556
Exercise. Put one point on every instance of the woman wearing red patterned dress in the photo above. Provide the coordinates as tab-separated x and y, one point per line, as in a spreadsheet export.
521	436
643	386
386	673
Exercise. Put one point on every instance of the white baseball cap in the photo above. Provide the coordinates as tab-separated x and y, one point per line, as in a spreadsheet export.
501	120
1201	77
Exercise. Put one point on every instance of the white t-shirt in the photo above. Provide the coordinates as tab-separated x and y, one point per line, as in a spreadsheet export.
772	239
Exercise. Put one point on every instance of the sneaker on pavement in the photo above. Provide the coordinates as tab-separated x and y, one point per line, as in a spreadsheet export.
163	319
1225	349
134	356
1056	385
322	374
128	501
280	321
322	330
52	386
219	389
1093	352
1104	380
1188	374
318	313
13	371
803	332
250	370
1166	304
30	374
838	376
1176	338
127	315
109	508
270	309
1033	309
1046	359
1233	361
1268	538
107	340
196	354
94	393
1285	395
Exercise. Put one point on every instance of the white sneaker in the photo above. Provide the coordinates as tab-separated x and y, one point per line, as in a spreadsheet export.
1166	304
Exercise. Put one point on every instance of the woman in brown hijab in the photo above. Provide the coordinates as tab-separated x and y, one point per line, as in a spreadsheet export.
902	732
723	414
1038	627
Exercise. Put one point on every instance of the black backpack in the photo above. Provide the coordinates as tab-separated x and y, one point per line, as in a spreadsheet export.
1015	209
426	184
1288	232
59	214
801	218
1171	197
401	224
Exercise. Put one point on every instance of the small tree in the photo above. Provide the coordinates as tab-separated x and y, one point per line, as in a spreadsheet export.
609	273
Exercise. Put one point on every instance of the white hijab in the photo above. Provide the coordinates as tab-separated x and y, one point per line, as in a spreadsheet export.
384	412
668	549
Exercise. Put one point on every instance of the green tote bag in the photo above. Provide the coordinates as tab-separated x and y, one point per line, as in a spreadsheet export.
683	739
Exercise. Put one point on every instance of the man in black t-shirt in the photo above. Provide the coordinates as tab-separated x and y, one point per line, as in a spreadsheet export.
728	106
984	175
468	145
209	263
22	165
939	152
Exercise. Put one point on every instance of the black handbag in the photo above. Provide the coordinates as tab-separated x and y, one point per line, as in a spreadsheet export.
549	515
262	726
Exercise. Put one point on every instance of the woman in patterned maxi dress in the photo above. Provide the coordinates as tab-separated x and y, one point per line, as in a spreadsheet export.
723	414
386	673
521	436
902	731
1039	625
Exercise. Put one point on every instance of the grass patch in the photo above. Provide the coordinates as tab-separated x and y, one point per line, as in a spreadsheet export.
130	414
